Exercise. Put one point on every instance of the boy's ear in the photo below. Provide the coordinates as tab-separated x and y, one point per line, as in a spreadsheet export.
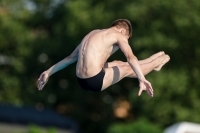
123	31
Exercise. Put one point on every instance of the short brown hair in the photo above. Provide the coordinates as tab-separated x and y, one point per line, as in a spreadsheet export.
123	23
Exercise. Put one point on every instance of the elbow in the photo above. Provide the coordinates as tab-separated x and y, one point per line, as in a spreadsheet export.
71	58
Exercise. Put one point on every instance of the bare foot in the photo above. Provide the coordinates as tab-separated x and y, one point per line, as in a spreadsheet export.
156	55
162	61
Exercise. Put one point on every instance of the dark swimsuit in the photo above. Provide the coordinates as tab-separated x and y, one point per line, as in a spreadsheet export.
93	83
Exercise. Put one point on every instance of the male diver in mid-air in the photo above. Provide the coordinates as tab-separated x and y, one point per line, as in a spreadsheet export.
94	73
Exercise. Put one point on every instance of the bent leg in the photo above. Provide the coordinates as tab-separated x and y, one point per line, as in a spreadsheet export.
145	61
146	68
151	58
117	70
155	64
116	73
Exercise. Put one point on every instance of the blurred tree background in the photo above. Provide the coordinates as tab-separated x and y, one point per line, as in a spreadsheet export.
35	34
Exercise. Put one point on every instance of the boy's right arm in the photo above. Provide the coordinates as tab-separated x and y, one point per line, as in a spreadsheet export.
60	65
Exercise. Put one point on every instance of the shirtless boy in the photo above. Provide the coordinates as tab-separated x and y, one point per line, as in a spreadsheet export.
94	73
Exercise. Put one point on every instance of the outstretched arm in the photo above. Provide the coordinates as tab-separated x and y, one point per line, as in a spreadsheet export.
58	66
133	62
65	62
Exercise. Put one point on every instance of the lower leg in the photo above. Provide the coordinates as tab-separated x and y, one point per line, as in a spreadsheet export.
151	58
155	64
148	60
146	68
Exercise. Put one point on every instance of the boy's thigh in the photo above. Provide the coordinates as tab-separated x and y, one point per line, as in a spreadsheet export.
113	75
115	63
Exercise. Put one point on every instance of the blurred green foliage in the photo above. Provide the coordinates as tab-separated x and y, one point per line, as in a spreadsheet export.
141	126
35	129
35	34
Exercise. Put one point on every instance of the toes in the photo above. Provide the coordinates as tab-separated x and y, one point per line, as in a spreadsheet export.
162	52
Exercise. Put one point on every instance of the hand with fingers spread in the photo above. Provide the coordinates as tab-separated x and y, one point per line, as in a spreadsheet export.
145	85
42	80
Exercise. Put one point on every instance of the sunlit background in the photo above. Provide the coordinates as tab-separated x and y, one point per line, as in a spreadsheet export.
36	34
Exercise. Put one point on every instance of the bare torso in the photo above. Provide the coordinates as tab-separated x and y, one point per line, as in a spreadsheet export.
95	48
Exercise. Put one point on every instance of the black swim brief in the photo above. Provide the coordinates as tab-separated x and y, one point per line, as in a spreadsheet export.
93	83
